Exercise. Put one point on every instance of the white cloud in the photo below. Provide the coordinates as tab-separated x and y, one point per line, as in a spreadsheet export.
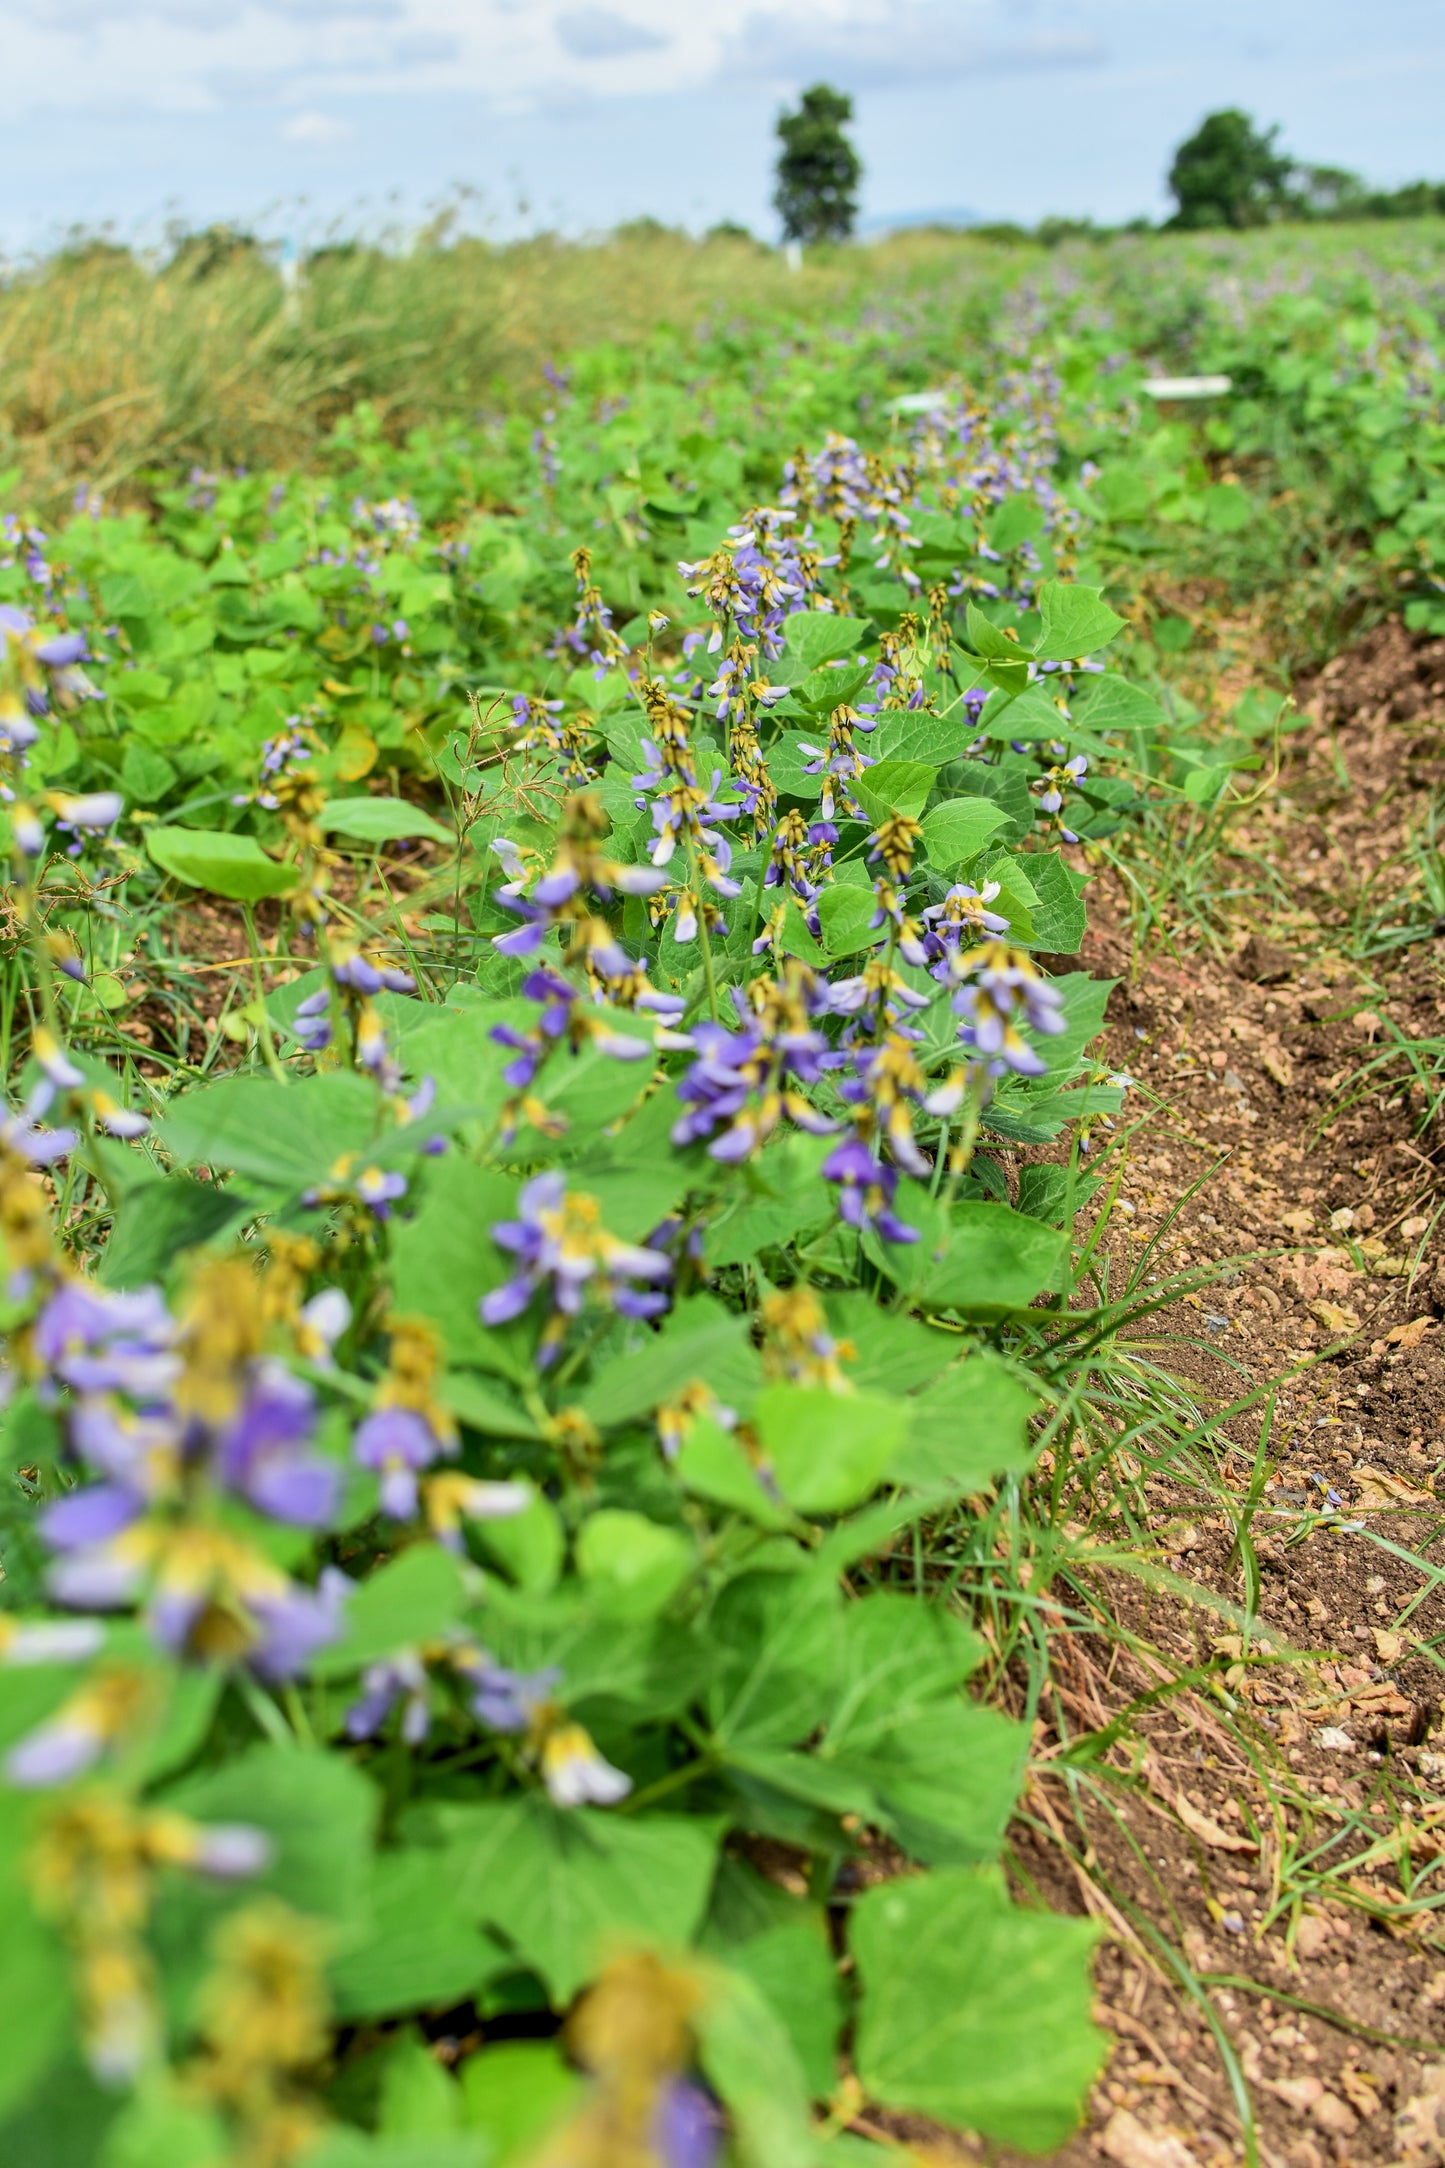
870	44
317	131
599	34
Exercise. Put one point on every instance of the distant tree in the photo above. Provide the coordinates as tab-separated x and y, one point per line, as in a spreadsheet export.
818	168
1229	174
1327	192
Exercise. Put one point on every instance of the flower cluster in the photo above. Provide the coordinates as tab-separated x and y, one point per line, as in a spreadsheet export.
513	1703
409	1430
761	574
591	633
681	809
356	977
185	1420
94	1875
743	1081
563	1252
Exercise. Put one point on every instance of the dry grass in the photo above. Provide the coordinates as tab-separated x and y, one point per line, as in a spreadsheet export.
108	367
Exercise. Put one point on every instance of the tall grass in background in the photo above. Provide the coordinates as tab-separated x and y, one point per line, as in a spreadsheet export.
108	367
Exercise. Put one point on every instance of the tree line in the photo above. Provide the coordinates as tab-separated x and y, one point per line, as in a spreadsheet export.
1230	173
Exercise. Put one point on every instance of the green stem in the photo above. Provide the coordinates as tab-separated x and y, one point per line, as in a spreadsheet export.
258	999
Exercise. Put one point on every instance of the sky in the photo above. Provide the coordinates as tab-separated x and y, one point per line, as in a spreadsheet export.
299	117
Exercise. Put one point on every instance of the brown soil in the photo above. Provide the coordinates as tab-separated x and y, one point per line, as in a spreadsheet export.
1273	1821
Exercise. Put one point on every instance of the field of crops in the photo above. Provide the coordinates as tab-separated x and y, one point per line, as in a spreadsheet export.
598	1405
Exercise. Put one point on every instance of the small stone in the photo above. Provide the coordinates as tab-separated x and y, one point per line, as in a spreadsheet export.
1126	2141
1335	1740
1297	2093
1413	1228
1276	1063
1264	962
1297	1223
1233	1081
1332	2114
1312	1936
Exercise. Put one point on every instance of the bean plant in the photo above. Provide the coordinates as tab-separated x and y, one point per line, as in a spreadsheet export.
476	1379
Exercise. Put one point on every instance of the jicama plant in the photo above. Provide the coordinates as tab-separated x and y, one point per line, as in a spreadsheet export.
465	1688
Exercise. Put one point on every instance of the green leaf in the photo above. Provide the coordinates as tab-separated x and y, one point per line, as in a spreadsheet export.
818	636
895	786
845	914
1076	621
946	1778
443	1260
159	1221
563	1887
514	2092
413	1597
417	2099
36	2012
973	2012
992	642
700	1343
984	1260
317	1808
630	1566
1017	520
827	1450
780	1200
285	1135
145	774
776	1637
64	2122
915	734
228	865
414	1952
159	2129
1110	703
380	820
966	1429
1058	914
898	1654
959	829
343	2148
528	1546
832	687
1028	713
712	1464
749	2060
782	1943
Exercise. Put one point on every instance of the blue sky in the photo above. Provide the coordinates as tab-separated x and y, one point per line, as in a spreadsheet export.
297	114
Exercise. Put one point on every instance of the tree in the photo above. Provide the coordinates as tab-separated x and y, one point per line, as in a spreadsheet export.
818	168
1229	174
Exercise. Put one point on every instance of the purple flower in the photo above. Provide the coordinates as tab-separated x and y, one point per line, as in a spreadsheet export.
505	1700
312	1022
61	650
400	1679
99	1342
1004	988
260	1456
687	2126
379	1191
866	1193
293	1627
396	1444
561	1248
364	975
